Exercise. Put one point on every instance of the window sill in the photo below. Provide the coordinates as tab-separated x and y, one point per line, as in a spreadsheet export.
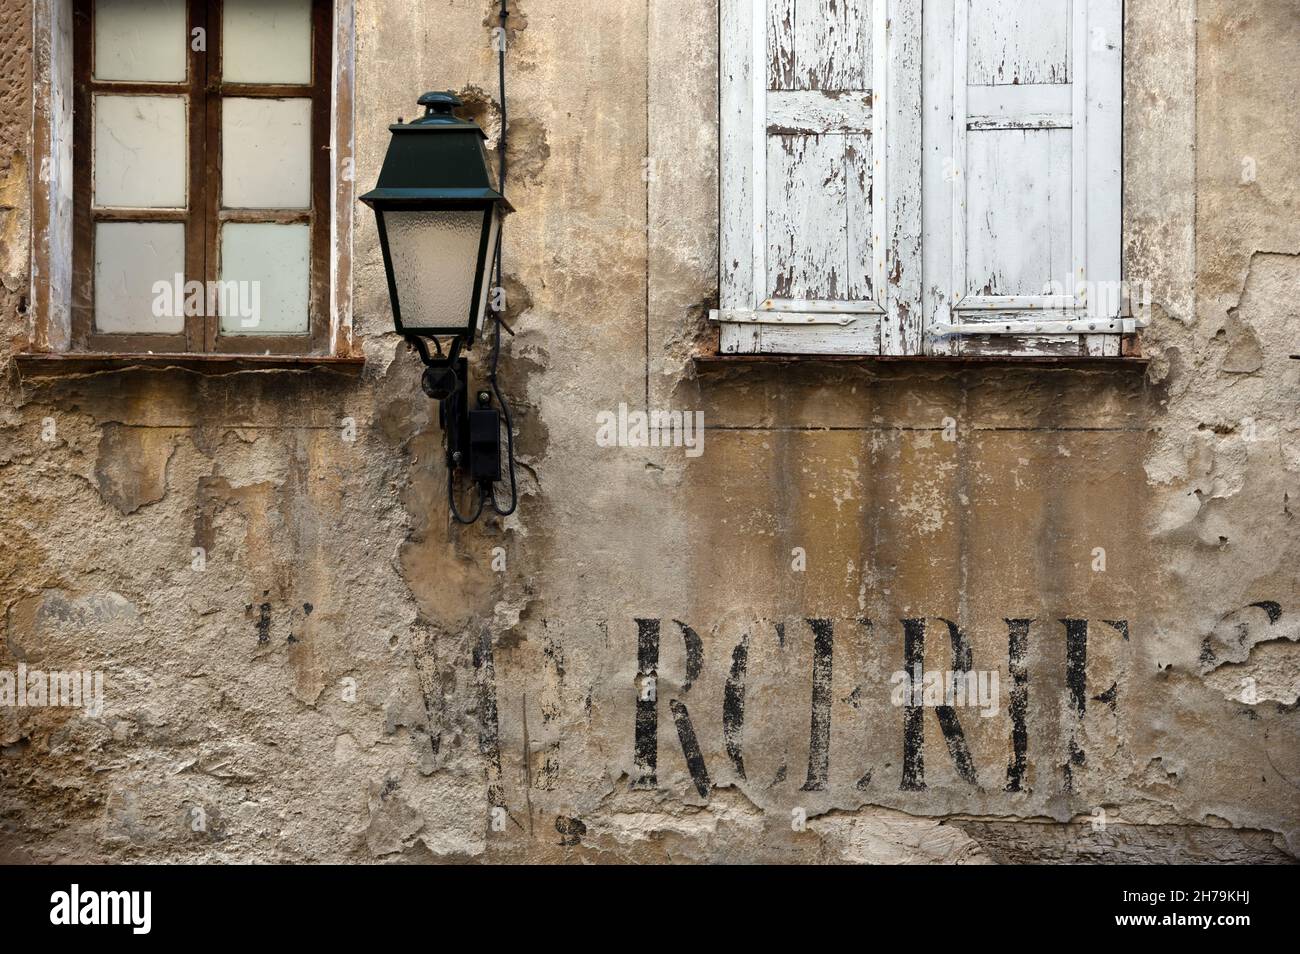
47	365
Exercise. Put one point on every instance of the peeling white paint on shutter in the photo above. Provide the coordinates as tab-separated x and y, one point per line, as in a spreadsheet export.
820	176
902	327
1015	43
737	174
829	147
832	44
1029	236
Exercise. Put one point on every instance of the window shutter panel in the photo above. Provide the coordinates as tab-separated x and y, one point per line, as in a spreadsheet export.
820	177
1029	238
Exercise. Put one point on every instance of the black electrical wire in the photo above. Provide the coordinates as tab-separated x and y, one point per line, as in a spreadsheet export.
455	513
504	16
451	407
501	82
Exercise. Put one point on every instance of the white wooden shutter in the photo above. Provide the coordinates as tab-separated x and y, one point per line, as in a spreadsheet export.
1022	178
820	177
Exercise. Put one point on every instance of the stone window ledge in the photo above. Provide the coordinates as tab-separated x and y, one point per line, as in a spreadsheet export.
50	364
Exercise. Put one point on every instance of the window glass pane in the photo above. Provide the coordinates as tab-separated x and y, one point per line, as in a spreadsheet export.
266	41
435	255
130	257
266	153
141	40
140	152
269	264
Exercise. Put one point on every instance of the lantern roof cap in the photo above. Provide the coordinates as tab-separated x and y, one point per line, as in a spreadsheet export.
447	168
439	116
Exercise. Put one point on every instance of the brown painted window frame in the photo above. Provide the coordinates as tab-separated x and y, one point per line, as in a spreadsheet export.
204	91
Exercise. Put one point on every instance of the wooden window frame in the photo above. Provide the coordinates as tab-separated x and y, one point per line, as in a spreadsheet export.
205	91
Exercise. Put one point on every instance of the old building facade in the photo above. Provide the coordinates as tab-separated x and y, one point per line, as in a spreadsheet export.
694	652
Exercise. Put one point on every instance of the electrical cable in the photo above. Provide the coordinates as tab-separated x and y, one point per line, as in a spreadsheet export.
504	16
451	408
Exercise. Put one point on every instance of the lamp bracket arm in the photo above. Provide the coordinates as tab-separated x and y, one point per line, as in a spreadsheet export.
441	361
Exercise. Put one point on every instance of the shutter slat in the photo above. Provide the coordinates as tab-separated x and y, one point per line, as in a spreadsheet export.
899	152
1105	98
736	272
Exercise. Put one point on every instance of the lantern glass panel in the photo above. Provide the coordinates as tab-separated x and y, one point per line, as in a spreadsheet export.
494	225
435	260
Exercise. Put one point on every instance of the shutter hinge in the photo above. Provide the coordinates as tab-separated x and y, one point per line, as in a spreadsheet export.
1080	326
750	316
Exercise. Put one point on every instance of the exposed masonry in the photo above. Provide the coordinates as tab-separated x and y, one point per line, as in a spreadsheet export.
303	661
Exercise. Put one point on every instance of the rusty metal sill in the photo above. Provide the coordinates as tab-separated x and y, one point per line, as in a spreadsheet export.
46	365
714	362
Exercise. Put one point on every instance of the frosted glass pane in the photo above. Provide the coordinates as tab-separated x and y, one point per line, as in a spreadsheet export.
266	153
140	152
434	257
130	257
269	263
266	41
141	40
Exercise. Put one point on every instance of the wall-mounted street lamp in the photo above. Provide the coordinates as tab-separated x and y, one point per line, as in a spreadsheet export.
439	216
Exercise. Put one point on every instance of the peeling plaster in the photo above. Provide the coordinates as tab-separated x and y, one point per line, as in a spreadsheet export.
346	677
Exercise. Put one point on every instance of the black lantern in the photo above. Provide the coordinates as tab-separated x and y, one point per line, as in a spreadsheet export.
439	214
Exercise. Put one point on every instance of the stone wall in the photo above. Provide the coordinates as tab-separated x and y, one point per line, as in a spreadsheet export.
345	676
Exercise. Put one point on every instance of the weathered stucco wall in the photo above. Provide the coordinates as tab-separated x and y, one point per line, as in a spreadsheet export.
924	493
